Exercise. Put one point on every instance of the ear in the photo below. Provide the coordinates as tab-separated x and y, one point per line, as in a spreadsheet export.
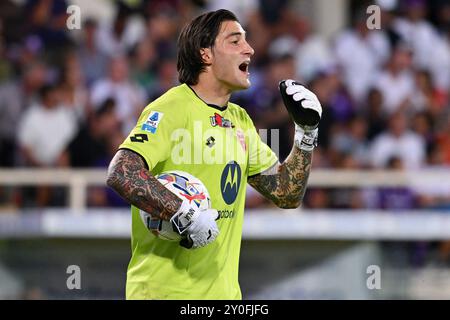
206	54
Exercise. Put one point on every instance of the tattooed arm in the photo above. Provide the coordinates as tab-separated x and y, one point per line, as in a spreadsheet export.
128	176
285	184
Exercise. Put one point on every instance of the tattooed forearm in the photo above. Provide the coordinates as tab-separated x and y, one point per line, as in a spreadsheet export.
286	188
128	176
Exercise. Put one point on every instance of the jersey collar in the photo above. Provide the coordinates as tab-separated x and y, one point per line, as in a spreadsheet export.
208	104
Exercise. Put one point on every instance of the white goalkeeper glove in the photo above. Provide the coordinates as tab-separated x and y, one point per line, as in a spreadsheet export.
199	226
305	110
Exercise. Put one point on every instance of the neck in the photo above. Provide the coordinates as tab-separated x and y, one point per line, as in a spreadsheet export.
212	92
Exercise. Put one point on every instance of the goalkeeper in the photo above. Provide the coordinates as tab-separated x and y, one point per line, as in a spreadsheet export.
213	62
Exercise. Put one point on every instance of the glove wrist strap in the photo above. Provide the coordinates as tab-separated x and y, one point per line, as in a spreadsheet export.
305	140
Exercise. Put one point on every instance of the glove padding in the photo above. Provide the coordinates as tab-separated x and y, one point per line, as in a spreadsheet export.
199	226
302	104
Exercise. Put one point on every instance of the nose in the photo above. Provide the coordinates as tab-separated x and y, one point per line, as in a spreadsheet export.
248	49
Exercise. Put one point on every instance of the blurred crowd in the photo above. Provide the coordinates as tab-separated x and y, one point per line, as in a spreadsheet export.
69	97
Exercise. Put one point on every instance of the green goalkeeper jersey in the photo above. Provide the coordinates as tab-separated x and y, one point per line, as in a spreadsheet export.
219	146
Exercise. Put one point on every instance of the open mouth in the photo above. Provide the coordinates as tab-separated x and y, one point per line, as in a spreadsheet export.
244	66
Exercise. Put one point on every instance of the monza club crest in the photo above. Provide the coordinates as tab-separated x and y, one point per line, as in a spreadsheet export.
241	137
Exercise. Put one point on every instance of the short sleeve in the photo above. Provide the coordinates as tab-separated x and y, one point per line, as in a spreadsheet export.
261	157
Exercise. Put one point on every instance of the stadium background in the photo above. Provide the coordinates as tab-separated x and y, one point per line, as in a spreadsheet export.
379	192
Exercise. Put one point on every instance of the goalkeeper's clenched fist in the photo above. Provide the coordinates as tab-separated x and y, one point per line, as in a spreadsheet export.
305	110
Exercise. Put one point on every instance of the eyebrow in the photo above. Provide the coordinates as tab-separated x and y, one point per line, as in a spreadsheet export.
235	34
